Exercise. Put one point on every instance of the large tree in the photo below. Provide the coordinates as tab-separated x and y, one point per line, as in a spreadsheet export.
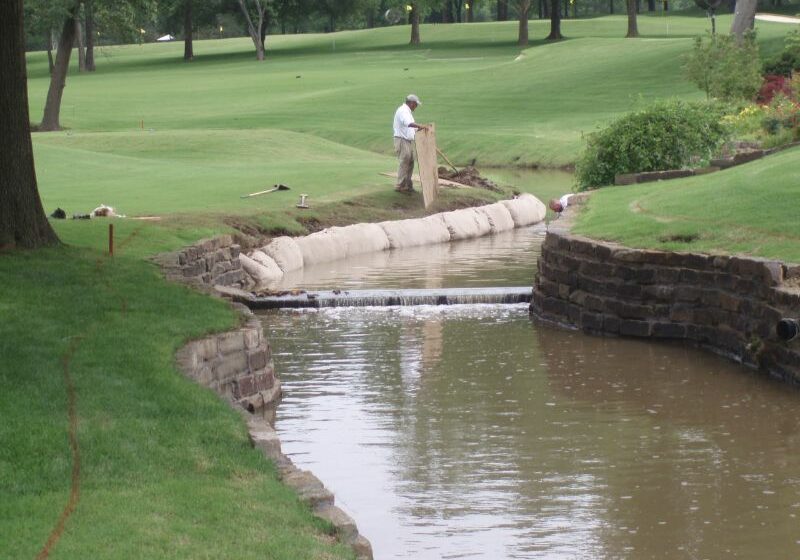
176	15
502	10
414	16
744	19
633	28
523	10
555	21
255	15
88	27
58	77
42	18
188	30
23	223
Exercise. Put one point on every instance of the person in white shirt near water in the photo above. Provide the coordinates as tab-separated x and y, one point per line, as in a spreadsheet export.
404	128
558	205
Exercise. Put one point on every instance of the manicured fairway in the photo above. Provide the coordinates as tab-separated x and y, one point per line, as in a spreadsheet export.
748	209
226	125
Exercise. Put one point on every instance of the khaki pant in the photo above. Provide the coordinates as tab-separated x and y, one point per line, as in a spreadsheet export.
405	160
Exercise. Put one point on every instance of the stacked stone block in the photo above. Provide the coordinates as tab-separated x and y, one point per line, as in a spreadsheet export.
728	304
208	262
236	364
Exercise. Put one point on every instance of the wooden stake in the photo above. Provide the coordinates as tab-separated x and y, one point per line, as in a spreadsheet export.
110	240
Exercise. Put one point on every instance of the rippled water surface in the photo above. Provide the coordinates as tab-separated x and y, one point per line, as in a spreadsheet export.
470	432
507	259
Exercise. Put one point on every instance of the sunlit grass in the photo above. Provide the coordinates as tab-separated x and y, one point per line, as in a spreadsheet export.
750	209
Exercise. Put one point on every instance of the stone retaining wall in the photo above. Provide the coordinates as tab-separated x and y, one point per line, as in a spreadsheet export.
727	304
206	263
236	364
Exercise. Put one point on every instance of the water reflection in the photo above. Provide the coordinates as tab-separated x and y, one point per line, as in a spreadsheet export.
714	448
469	433
506	259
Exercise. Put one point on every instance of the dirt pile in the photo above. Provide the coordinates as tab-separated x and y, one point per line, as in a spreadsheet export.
468	176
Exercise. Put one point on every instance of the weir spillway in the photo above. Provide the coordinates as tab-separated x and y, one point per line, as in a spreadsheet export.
387	297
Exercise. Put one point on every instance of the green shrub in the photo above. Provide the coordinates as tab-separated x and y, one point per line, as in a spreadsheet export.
789	59
724	69
667	135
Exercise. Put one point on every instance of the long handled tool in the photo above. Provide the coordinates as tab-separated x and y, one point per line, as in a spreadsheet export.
441	153
273	189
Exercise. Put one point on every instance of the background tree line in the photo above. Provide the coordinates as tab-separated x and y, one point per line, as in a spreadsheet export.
105	22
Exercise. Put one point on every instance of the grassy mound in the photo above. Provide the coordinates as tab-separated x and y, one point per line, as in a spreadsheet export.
166	469
747	209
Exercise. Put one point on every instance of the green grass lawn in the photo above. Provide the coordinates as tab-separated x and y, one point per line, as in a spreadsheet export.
749	209
491	100
167	470
166	467
315	115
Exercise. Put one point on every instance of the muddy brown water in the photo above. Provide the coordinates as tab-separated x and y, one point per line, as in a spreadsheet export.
471	432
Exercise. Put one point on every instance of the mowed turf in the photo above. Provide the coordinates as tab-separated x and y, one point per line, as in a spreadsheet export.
193	137
166	468
749	209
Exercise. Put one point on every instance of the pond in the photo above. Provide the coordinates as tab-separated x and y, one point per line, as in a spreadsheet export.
471	432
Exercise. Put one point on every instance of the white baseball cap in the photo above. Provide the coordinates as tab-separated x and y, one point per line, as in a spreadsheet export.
414	98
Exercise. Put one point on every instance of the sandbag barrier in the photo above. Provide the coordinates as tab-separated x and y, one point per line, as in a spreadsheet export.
267	265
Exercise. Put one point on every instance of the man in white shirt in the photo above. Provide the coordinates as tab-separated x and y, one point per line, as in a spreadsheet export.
558	205
404	129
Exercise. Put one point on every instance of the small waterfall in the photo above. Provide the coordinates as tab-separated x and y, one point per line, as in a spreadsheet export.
380	298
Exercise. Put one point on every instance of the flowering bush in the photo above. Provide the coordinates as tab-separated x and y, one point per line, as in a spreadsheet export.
772	85
745	122
782	114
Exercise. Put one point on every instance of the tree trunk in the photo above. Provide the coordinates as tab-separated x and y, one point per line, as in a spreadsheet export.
52	107
188	28
50	44
544	9
555	21
744	19
502	10
566	9
414	24
471	11
79	45
447	12
253	28
611	6
633	29
262	26
89	28
523	7
651	5
23	223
